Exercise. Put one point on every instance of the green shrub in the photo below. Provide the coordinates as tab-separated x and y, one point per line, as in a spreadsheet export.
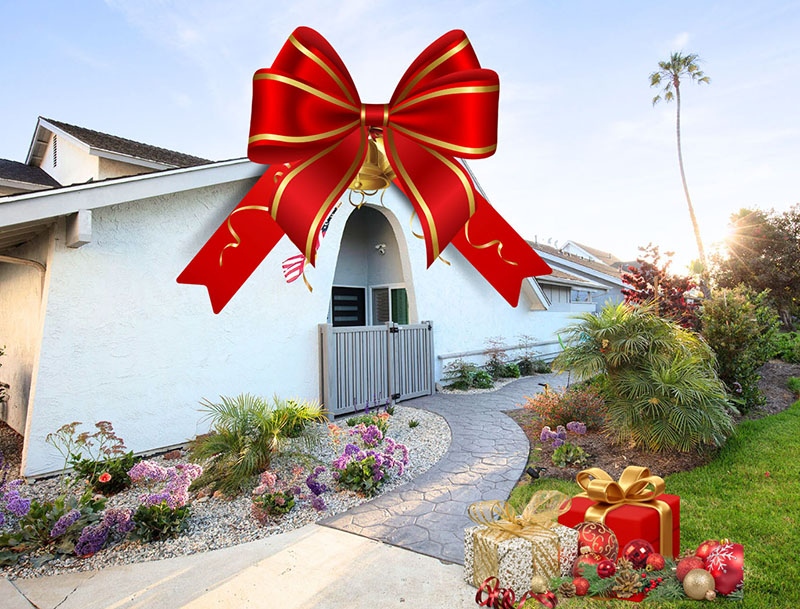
510	371
576	403
466	375
569	454
786	346
273	504
793	385
412	423
95	472
739	326
245	432
496	351
662	390
482	380
157	522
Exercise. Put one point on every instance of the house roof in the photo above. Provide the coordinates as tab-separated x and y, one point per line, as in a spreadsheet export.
606	257
15	171
114	144
559	277
589	264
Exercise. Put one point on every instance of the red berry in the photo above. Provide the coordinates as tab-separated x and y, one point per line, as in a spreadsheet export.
644	575
660	580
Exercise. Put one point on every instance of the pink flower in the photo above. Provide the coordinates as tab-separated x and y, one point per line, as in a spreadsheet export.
104	477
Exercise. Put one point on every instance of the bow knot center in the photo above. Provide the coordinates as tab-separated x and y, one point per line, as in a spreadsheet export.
374	115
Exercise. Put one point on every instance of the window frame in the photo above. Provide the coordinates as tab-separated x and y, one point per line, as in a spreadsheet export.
383	286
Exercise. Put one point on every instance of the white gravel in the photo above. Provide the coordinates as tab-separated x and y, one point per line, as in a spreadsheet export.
218	523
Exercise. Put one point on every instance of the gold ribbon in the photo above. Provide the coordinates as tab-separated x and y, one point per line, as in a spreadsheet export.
636	486
502	522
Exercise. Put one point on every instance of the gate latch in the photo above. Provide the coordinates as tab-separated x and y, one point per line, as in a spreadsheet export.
394	329
395	396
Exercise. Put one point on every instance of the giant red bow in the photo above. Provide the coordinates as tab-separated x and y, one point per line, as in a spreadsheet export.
309	124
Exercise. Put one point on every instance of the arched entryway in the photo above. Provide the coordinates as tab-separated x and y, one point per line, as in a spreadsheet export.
374	349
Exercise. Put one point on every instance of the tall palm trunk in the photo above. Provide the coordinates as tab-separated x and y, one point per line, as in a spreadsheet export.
704	274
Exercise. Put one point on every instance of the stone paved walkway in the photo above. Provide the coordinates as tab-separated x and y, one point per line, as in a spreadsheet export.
486	458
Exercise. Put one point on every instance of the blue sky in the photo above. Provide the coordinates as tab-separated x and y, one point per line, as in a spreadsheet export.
582	153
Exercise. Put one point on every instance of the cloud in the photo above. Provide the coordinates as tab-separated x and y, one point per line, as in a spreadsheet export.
680	41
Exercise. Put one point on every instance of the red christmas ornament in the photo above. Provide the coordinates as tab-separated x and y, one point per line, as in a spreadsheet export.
637	552
606	568
704	549
655	562
581	586
586	560
687	564
726	564
598	538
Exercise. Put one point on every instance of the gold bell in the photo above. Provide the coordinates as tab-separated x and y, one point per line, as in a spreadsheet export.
376	173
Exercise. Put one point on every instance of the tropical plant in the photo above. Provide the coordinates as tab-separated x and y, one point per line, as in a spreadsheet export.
576	403
662	391
245	432
786	346
762	253
298	413
651	281
669	75
740	327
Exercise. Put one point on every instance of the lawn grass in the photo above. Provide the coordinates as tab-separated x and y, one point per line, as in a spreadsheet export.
733	497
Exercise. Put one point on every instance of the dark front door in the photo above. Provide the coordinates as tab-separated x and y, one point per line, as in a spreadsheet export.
348	306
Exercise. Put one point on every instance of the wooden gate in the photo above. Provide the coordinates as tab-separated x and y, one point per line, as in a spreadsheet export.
374	365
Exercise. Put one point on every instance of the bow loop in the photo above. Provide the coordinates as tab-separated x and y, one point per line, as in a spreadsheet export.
635	484
539	514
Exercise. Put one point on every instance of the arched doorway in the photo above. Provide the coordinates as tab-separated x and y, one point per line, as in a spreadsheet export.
373	351
371	285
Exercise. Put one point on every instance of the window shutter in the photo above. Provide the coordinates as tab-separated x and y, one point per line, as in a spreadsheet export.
380	305
399	306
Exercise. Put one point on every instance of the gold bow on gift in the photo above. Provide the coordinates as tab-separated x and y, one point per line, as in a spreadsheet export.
503	522
636	486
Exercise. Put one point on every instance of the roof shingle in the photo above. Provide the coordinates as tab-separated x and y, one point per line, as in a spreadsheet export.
591	264
121	145
20	172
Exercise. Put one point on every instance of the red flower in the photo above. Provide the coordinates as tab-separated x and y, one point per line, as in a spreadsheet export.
104	477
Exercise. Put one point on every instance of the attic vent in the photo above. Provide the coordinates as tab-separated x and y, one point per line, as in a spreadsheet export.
55	150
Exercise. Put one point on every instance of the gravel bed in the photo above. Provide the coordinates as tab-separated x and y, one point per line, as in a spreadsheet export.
217	522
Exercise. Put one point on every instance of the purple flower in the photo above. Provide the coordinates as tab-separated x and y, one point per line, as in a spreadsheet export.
557	442
118	519
318	503
296	490
576	427
2	519
92	540
18	506
63	523
545	435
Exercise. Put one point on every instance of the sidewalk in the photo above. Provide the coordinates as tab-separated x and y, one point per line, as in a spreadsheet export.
313	567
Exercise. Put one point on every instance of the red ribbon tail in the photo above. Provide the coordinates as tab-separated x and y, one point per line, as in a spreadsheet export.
257	234
498	252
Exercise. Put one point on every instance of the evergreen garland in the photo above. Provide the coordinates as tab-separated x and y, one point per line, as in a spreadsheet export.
668	590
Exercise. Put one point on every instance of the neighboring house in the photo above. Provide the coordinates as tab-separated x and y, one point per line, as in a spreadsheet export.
590	265
97	328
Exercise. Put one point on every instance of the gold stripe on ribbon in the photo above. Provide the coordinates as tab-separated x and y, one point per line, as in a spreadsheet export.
233	233
418	236
407	179
450	91
496	242
441	143
636	486
307	88
301	139
293	173
329	199
433	65
305	51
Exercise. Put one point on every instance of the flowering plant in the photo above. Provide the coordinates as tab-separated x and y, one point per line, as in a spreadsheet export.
12	505
576	403
116	521
275	497
365	470
370	436
565	453
163	510
379	420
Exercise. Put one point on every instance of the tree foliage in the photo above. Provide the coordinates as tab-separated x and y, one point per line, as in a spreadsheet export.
764	254
662	391
652	282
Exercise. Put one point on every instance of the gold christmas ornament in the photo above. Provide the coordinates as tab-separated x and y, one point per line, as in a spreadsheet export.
698	583
539	584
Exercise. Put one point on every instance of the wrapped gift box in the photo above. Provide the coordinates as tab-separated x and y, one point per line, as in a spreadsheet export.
515	560
631	522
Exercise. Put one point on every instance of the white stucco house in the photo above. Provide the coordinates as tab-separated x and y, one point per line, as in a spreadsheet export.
95	229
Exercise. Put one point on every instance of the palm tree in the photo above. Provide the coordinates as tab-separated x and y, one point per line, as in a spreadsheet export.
669	74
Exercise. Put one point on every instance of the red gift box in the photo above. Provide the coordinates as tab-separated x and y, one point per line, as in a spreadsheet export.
629	521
